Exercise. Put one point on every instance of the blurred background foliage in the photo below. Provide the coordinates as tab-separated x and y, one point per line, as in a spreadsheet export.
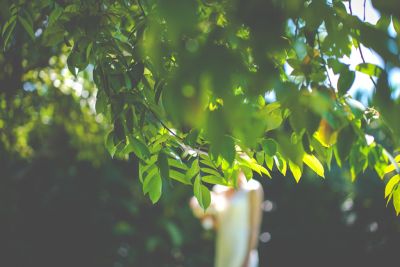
65	202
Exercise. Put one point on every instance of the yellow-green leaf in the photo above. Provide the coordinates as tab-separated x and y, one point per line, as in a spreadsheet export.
369	69
314	164
296	170
390	185
396	200
389	168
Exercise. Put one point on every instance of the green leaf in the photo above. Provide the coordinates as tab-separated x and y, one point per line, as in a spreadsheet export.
345	81
211	179
55	14
101	102
163	166
389	168
296	170
383	23
210	171
177	164
344	143
314	164
8	24
269	162
269	146
109	143
260	157
225	148
77	58
396	200
253	165
392	182
180	177
138	147
280	163
191	138
369	69
158	87
201	193
27	26
152	185
8	31
147	168
194	170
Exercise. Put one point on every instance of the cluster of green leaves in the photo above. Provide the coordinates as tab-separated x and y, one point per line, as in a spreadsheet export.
184	83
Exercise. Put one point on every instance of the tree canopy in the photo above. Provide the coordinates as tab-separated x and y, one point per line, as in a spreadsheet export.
186	85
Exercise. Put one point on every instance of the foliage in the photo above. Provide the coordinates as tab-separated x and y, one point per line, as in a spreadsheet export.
183	83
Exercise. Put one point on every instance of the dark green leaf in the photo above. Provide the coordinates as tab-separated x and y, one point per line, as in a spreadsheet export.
269	147
345	141
163	166
27	26
138	147
345	81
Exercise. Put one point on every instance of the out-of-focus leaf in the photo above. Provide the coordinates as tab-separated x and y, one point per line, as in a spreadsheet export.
345	81
369	69
396	24
8	30
27	26
346	138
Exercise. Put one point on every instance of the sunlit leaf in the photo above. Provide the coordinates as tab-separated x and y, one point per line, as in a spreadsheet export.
314	164
390	185
296	171
396	200
369	69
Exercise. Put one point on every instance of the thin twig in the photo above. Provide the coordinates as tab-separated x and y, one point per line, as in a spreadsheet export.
365	2
141	7
350	8
361	51
184	146
163	124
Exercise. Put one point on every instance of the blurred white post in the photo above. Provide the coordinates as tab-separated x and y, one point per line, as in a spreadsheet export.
236	216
